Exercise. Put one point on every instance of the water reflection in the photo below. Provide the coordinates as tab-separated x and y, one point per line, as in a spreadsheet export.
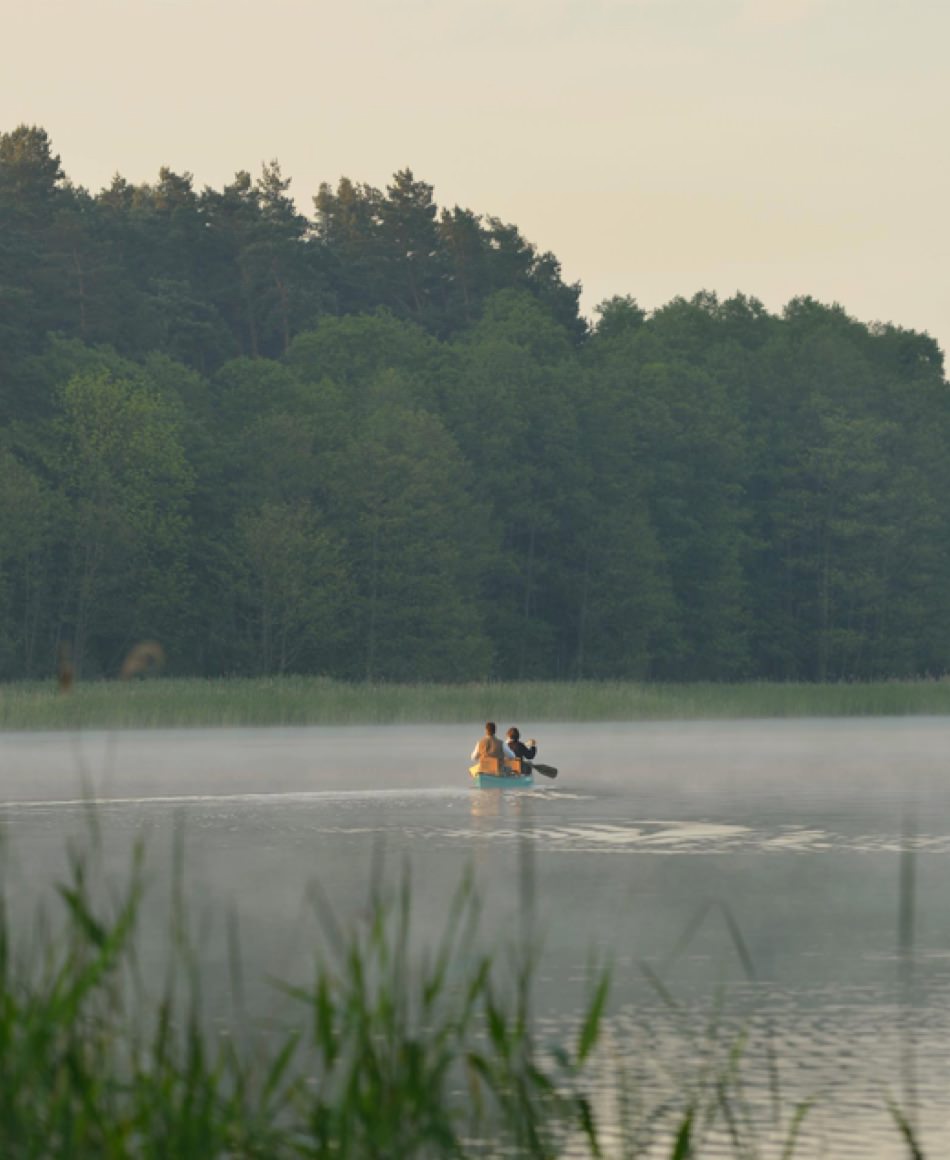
495	805
485	806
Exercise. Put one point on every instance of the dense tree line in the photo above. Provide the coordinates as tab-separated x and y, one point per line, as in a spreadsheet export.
381	442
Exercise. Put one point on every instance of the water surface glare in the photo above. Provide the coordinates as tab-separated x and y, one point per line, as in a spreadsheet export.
751	865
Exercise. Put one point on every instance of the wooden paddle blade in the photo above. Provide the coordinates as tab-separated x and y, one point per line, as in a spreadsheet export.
546	770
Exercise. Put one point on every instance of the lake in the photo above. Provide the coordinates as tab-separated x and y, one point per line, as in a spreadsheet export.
754	868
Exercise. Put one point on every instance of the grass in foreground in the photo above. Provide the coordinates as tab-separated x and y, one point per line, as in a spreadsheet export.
394	1055
89	1068
184	702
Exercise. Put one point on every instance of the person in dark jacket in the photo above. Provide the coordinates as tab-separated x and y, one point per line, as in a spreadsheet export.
527	751
519	748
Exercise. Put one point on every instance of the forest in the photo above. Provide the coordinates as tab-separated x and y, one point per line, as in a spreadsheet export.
381	442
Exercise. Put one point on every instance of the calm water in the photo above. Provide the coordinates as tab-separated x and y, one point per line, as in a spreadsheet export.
754	866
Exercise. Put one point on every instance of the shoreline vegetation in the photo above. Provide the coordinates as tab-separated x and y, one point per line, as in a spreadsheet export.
298	701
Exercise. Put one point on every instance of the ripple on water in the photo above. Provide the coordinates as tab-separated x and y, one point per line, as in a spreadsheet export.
844	1063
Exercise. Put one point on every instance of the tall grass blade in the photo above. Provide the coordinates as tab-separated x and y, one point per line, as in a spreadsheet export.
738	941
905	940
659	986
590	1028
687	935
589	1127
683	1144
914	1150
794	1129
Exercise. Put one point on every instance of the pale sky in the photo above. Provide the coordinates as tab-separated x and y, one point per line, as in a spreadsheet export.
658	147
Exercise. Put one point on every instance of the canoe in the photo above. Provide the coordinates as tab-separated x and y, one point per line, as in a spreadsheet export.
503	780
490	773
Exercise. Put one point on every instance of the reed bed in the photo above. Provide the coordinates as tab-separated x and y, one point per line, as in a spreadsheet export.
393	1051
185	702
389	1050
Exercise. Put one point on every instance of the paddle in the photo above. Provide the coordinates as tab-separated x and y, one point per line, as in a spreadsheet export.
545	770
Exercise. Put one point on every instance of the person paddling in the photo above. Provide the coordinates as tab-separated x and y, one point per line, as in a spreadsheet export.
527	753
518	747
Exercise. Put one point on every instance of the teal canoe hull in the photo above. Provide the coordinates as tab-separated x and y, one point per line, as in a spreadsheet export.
500	781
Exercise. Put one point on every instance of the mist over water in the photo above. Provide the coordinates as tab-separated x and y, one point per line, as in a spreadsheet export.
753	866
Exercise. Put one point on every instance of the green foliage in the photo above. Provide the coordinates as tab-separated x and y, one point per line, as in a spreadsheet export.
402	1051
355	352
413	539
460	480
29	170
292	588
118	458
29	532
